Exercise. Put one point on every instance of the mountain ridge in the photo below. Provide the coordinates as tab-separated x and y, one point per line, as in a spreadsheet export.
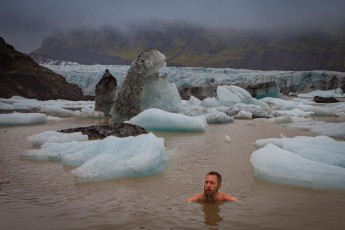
20	75
196	46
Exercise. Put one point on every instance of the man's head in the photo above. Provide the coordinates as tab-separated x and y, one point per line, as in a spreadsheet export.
213	182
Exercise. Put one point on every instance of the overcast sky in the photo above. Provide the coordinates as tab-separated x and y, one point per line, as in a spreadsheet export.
25	23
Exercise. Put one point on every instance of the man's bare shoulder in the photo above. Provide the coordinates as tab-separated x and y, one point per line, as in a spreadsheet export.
196	198
225	197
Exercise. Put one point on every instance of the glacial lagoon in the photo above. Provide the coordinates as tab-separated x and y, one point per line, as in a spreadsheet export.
44	194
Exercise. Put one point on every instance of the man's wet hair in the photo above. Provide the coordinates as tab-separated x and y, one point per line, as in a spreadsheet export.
219	177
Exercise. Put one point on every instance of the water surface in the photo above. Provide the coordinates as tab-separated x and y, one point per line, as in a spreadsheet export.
43	194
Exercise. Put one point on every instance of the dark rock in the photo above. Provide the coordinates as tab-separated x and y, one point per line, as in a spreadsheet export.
20	75
325	99
262	89
102	131
106	93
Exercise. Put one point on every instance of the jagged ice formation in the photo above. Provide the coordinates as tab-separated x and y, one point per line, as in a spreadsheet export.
143	88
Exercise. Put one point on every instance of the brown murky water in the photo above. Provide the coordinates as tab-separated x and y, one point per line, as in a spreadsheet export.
43	195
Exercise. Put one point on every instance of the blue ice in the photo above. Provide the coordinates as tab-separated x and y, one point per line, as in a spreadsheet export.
314	162
159	120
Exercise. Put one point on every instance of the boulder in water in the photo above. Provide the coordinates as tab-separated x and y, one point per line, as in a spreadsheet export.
319	99
106	92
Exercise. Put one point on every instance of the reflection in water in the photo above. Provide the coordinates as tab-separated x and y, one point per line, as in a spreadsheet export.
212	213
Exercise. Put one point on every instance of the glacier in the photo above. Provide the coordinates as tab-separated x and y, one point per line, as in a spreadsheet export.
87	76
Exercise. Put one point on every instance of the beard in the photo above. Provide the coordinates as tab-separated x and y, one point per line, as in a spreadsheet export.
209	196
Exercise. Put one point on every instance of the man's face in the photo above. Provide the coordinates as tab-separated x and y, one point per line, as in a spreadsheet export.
211	185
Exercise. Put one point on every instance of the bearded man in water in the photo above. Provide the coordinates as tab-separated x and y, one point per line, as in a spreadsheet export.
213	182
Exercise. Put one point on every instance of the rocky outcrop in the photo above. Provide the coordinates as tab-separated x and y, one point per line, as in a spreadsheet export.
20	75
106	92
102	131
143	88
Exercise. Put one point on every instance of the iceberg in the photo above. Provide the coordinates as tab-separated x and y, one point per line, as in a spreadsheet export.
138	156
278	165
56	137
231	95
159	120
6	106
328	93
56	111
96	160
15	118
37	111
331	129
244	115
212	115
143	88
278	103
322	149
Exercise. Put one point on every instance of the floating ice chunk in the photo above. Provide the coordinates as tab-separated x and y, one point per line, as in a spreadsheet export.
329	93
217	117
227	138
279	103
281	120
244	115
321	149
290	105
112	157
277	165
13	119
6	107
194	101
159	120
27	105
56	137
212	115
230	94
52	118
161	94
210	102
138	156
336	107
56	151
56	111
295	112
320	127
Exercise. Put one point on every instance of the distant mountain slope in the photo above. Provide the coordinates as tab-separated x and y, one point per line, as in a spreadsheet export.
22	76
186	45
